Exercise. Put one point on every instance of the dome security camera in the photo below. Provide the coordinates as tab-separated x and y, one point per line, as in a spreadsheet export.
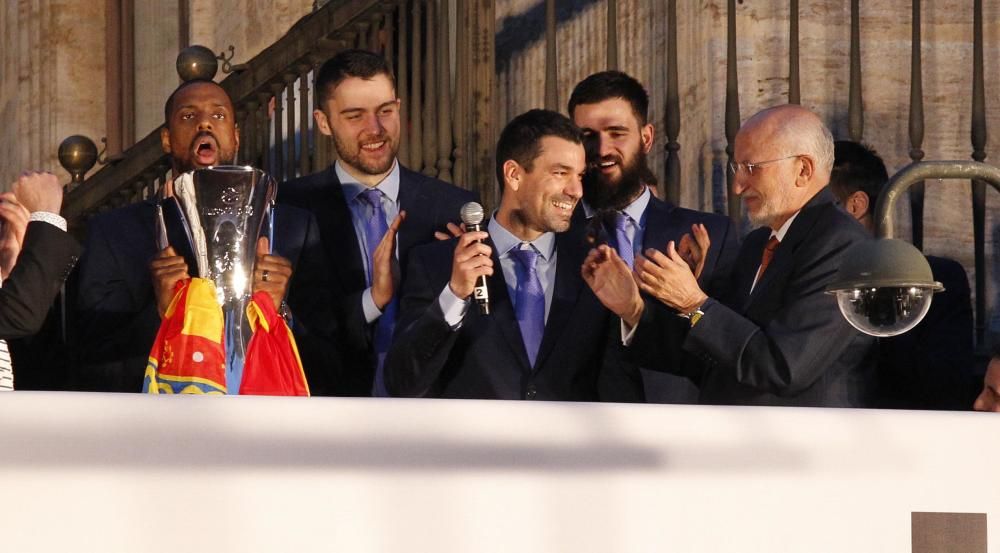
884	287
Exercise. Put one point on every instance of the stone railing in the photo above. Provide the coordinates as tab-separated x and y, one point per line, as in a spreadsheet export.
446	94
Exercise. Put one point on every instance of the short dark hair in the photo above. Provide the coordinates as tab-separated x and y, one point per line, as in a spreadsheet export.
856	167
611	84
521	139
168	107
361	64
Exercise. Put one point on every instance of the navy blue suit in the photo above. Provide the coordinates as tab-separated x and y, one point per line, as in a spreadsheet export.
116	306
485	357
666	222
784	344
430	204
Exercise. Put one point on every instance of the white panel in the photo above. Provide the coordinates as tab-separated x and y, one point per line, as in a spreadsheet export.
138	473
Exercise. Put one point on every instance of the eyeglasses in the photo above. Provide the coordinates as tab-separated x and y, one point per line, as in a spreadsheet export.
751	166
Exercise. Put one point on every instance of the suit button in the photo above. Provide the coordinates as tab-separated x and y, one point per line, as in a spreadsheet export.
531	392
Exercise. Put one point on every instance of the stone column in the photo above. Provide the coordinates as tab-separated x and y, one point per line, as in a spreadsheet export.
51	82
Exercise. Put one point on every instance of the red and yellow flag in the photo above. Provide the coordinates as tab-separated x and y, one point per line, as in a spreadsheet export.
188	356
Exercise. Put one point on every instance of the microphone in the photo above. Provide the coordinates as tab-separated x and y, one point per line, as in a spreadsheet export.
472	216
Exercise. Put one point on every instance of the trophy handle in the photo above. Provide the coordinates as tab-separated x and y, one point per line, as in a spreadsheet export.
269	227
161	229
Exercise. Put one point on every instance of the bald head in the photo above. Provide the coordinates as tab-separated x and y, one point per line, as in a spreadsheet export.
798	131
791	154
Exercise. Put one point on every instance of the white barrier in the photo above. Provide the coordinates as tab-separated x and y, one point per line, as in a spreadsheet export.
103	472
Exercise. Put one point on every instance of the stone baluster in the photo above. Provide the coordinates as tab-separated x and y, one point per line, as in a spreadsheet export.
732	106
460	119
855	109
305	116
672	118
402	86
290	134
416	88
916	127
551	57
612	34
264	140
793	52
979	154
248	140
444	107
278	119
430	91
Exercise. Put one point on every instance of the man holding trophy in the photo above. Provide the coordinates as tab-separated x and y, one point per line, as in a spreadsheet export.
128	280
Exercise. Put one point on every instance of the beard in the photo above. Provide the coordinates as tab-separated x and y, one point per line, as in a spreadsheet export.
602	193
350	152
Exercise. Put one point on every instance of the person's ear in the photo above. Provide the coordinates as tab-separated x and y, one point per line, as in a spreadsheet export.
807	168
165	140
857	204
646	135
512	172
322	122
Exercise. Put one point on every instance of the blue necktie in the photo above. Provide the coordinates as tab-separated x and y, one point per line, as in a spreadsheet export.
623	244
375	229
529	300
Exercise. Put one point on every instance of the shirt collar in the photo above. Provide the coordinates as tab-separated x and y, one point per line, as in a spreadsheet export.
780	233
504	240
352	188
633	210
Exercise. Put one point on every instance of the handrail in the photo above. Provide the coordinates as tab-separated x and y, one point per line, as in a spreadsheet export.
926	170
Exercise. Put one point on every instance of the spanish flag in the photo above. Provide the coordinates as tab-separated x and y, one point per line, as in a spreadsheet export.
188	356
272	366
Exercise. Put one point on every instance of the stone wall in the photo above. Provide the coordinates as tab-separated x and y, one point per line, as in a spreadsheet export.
51	83
248	25
762	30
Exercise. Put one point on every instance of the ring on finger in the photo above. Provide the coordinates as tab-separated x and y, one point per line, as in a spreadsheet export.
264	274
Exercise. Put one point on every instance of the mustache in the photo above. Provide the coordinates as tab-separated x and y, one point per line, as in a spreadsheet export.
374	138
597	162
203	134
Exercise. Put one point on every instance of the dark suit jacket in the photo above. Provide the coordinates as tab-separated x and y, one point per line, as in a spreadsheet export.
666	222
430	204
485	357
932	365
784	344
46	259
116	306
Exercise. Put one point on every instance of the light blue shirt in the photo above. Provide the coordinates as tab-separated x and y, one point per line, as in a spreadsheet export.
454	308
635	213
361	212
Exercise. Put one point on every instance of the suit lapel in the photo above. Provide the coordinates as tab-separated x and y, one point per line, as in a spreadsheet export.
420	211
754	244
566	291
660	226
784	254
336	225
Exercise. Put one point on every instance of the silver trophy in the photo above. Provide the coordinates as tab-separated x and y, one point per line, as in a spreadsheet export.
214	220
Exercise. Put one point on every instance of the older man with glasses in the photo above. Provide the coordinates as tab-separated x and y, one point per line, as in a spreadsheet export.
776	337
